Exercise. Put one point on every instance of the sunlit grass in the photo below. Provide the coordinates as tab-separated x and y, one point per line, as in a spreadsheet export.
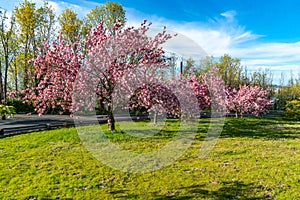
255	158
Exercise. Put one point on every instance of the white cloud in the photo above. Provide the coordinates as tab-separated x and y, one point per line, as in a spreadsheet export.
219	36
59	6
223	34
229	14
56	7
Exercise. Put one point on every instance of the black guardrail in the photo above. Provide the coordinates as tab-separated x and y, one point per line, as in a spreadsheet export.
86	120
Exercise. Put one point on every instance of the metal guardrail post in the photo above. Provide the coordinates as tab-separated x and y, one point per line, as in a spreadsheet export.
48	126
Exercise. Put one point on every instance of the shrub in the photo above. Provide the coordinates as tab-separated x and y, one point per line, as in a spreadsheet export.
293	109
6	110
19	106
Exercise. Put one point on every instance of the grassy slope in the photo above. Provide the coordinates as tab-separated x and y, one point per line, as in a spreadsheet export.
253	159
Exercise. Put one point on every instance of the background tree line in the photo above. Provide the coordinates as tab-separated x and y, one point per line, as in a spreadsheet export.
232	71
286	96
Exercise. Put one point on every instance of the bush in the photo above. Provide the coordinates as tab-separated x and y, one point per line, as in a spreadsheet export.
19	106
6	110
293	109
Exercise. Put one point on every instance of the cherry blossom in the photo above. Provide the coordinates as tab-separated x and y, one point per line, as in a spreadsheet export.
248	100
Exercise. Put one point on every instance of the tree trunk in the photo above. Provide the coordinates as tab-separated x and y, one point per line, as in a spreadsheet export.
16	76
25	75
110	116
1	84
111	121
155	117
5	76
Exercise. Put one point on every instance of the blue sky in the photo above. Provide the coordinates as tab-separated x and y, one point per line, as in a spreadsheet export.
263	34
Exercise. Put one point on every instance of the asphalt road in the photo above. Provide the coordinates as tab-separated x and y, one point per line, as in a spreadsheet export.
23	123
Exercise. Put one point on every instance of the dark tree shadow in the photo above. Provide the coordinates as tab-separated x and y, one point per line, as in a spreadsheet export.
229	190
261	127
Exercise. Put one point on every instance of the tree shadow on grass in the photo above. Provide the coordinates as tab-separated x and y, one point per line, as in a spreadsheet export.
229	190
268	128
123	194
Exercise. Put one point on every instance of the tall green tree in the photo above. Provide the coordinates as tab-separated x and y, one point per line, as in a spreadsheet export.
1	82
70	25
45	24
109	13
262	78
92	20
26	18
231	70
15	73
7	28
35	26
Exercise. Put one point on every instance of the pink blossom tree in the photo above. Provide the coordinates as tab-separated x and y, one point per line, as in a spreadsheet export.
55	71
176	98
212	91
201	90
248	99
198	93
116	59
157	98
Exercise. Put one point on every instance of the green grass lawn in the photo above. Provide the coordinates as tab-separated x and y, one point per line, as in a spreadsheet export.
255	158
